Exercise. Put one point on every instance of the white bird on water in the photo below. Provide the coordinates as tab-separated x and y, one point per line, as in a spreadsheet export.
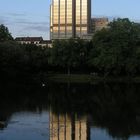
43	84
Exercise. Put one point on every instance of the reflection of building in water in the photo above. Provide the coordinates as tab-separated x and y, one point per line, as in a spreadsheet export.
64	127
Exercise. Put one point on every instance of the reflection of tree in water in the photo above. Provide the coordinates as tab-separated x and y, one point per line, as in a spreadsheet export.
118	110
114	107
16	97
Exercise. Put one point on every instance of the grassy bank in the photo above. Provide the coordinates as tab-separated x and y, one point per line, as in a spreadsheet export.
85	78
75	78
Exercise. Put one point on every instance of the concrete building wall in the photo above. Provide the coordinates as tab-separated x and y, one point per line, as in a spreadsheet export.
98	23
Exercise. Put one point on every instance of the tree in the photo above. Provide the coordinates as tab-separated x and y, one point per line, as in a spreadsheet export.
69	53
4	34
114	48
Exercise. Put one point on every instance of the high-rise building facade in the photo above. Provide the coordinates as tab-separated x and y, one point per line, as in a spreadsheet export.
70	18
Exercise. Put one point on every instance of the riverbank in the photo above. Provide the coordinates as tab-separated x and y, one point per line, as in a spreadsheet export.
85	78
65	78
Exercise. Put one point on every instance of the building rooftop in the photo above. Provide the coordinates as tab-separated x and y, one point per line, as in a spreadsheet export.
100	19
31	39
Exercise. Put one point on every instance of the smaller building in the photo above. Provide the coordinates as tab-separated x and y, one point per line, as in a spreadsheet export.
45	43
98	23
34	40
29	40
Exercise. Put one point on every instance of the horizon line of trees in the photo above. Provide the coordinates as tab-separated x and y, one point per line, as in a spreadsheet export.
113	51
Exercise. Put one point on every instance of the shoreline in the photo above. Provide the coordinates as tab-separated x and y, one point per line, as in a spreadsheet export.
72	78
86	78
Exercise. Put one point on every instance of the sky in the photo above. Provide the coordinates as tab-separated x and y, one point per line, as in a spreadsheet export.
31	17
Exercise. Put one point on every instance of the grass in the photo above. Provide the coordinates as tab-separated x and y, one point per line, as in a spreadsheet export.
85	78
76	78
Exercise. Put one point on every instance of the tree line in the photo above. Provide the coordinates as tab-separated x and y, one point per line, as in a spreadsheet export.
113	51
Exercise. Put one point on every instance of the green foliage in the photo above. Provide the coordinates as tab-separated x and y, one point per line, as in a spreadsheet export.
18	59
4	34
115	49
37	57
69	53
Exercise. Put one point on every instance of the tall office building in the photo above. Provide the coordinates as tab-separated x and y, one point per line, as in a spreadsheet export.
70	18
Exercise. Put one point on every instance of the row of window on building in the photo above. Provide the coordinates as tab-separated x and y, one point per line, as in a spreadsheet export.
34	40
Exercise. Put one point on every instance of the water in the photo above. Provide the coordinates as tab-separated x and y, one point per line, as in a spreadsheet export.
70	111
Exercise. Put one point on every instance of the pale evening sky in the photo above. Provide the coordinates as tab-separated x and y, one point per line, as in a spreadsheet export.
31	17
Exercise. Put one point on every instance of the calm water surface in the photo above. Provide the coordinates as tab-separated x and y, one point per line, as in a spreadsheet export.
70	112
